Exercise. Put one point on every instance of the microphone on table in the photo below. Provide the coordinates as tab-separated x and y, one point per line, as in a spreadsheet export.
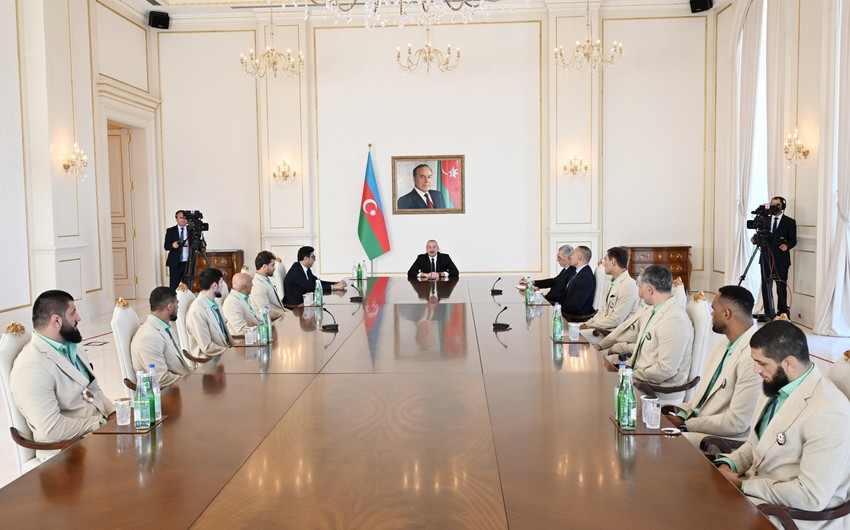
359	298
493	290
330	327
500	326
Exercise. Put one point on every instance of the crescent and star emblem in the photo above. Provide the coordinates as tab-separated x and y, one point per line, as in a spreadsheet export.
370	211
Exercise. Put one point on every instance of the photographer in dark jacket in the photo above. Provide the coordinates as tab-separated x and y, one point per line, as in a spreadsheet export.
176	243
783	230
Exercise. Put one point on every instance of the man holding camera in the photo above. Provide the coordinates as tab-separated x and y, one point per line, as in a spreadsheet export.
783	232
177	245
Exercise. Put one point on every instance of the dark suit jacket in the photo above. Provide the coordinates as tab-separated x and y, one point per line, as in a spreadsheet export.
296	284
578	297
413	201
174	254
786	228
423	264
558	285
424	288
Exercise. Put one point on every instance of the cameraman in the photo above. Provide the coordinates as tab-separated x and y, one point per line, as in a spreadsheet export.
783	232
177	245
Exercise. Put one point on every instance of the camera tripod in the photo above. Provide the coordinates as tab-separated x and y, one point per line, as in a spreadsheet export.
195	248
769	309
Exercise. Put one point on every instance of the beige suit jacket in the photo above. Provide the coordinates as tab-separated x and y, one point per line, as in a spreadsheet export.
238	314
151	344
263	293
839	374
665	357
48	390
628	327
622	300
728	410
205	335
810	469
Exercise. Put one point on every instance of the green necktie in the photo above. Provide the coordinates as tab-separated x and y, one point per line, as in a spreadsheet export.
170	336
643	337
66	351
767	415
713	380
220	322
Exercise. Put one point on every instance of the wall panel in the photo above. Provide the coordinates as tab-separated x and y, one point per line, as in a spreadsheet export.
722	133
122	48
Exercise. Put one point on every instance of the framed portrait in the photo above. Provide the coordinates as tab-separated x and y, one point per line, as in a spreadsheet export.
428	184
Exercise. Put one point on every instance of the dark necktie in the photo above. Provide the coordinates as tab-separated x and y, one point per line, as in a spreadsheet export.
428	200
775	222
433	263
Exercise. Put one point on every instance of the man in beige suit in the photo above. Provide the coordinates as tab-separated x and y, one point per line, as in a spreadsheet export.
796	454
52	382
724	402
839	374
264	293
238	311
621	295
659	347
155	341
205	324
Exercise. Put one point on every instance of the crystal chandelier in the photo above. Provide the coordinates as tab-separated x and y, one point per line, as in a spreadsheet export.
401	12
77	162
589	53
283	175
428	54
575	166
795	151
271	60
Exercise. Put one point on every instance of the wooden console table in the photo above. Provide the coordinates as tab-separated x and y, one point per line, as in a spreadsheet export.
228	261
677	259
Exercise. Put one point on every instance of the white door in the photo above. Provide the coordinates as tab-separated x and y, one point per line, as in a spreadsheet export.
123	226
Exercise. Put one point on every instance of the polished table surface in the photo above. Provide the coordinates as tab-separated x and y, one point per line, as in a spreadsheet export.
414	414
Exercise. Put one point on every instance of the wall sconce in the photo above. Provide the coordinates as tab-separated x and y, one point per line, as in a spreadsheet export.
575	166
283	174
795	151
77	163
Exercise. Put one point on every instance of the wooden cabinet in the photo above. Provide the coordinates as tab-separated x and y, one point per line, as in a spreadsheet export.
228	262
677	259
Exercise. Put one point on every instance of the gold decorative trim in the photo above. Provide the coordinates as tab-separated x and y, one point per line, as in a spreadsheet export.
699	297
147	48
847	355
782	316
15	329
182	287
678	281
714	163
245	267
122	303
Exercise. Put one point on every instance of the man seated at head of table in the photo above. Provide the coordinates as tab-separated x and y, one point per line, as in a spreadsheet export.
796	454
52	382
239	313
205	323
558	285
724	402
155	343
263	291
300	279
621	295
433	264
658	347
577	301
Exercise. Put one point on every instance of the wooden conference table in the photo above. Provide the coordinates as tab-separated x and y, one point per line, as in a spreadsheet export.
414	414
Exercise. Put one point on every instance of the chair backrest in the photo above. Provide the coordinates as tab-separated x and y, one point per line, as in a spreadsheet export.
184	300
125	323
277	277
225	290
602	281
11	343
679	292
704	338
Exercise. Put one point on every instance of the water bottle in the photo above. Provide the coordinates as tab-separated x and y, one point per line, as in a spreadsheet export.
359	272
267	320
151	398
354	265
317	294
141	403
262	326
529	292
558	324
365	270
621	373
628	404
157	392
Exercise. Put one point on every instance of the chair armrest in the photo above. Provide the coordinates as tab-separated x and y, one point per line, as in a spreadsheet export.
196	359
827	514
658	389
666	410
130	384
724	445
41	446
601	332
781	513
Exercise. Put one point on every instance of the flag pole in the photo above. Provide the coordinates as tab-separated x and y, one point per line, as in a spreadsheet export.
371	261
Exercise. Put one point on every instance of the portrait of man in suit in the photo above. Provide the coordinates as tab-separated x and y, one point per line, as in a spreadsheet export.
437	185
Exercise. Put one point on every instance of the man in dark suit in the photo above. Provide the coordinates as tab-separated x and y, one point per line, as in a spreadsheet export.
783	231
558	285
421	196
300	279
577	303
177	245
433	265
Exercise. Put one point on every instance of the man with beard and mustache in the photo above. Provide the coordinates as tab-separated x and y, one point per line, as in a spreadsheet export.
796	454
205	323
155	341
723	405
52	382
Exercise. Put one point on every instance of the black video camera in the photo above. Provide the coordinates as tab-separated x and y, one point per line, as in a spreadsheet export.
197	227
761	221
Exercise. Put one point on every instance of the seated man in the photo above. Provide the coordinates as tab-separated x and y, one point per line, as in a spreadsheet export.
558	285
300	279
577	302
421	196
52	382
621	297
264	293
433	265
659	347
839	374
724	402
205	324
796	454
238	311
155	342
